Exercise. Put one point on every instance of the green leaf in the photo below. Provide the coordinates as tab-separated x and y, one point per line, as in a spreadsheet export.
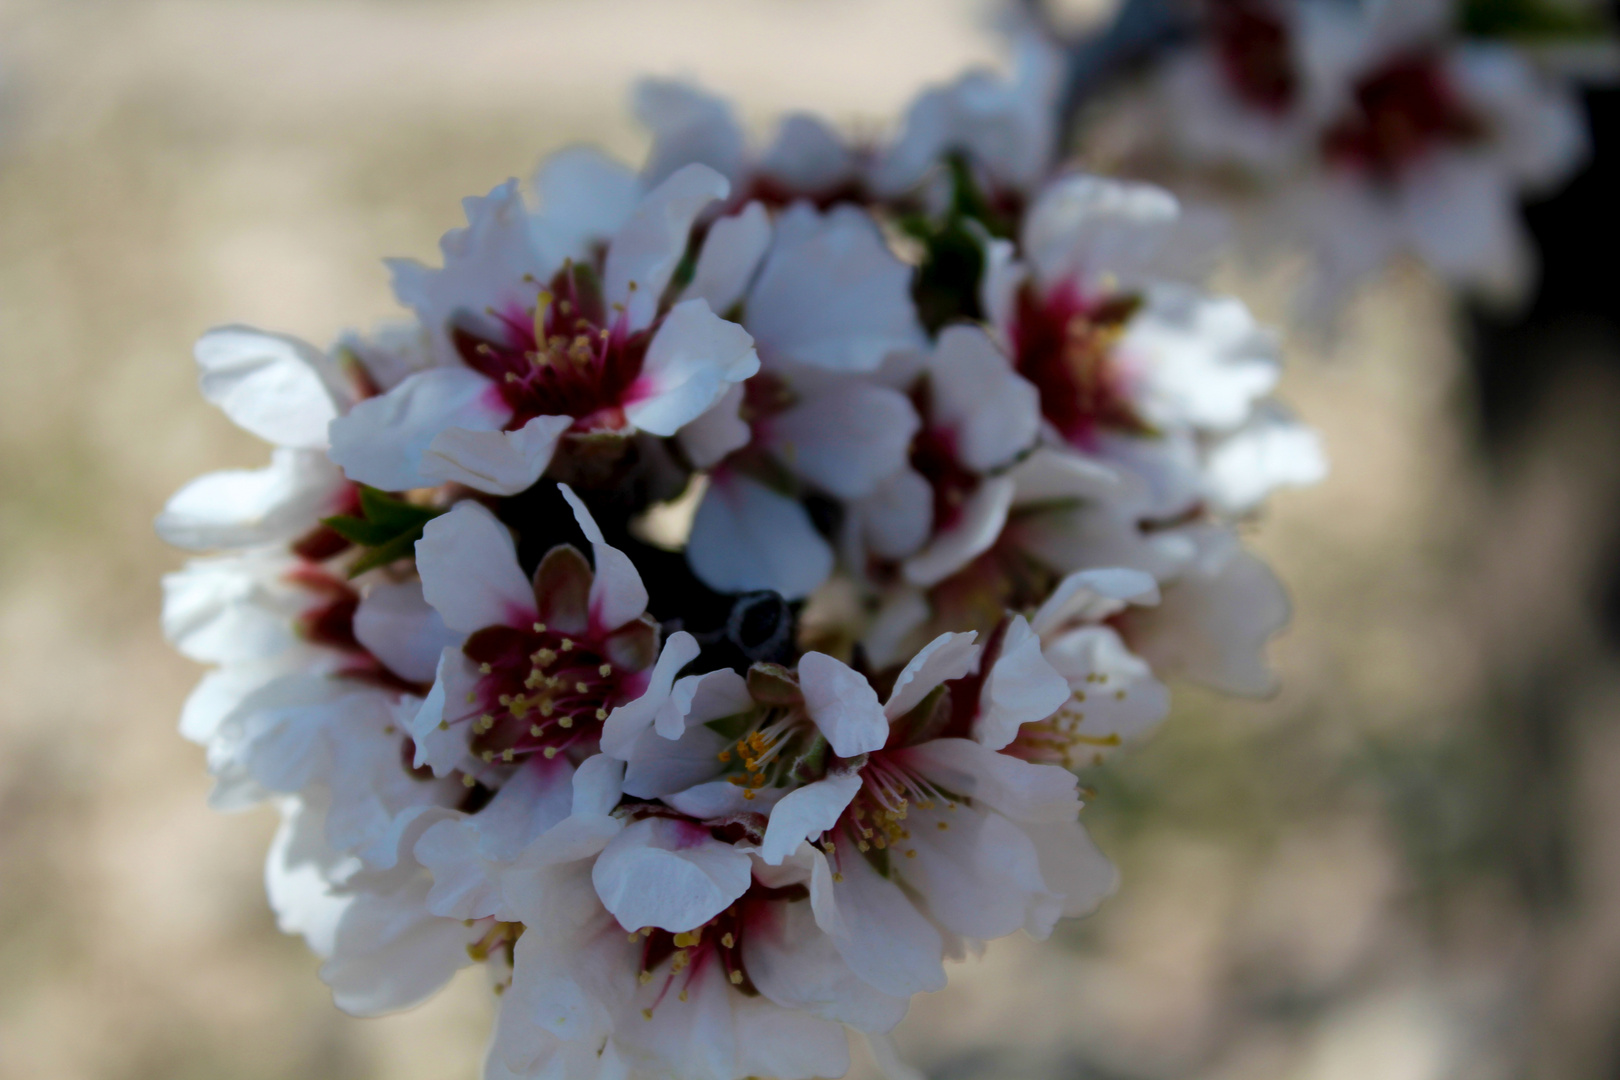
1528	20
947	283
387	526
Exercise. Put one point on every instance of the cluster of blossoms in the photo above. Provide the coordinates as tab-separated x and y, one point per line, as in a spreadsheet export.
1366	130
962	443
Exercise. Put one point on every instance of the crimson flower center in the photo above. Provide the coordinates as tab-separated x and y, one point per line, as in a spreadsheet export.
541	691
1252	45
1064	344
1401	111
567	356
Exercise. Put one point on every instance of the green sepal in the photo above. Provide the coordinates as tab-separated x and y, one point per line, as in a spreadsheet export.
1529	20
387	526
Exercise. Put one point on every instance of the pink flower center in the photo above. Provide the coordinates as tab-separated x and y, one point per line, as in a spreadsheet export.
568	356
933	454
1252	44
1401	112
1064	344
541	692
718	941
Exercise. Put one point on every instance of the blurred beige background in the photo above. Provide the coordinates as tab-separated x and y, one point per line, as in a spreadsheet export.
1340	884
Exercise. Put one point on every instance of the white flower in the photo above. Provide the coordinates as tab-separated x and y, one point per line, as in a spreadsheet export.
806	159
1008	128
1378	133
519	366
924	828
287	393
545	661
1139	369
827	303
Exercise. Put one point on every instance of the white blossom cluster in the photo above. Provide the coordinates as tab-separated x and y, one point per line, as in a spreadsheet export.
1367	129
964	442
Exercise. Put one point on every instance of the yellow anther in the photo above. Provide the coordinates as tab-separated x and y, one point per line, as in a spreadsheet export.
944	825
911	853
605	669
535	731
688	939
633	937
601	714
736	978
551	752
468	780
681	995
728	940
580	688
507	754
646	976
488	756
444	725
748	796
838	879
567	644
539	627
389	729
565	721
724	755
485	669
471	697
646	1014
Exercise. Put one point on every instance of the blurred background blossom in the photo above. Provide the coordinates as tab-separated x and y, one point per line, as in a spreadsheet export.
1406	866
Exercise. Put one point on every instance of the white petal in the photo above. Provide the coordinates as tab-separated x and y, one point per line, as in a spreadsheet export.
947	657
895	519
878	932
234	608
497	462
444	748
626	723
1020	689
1073	867
1089	226
688	125
1215	620
492	263
721	799
808	157
979	874
382	440
390	953
731	253
664	760
1050	475
397	626
1191	359
983	516
617	593
279	388
846	438
651	243
794	964
585	197
1090	596
693	359
470	572
242	508
1022	791
598	785
720	430
669	874
974	393
843	705
805	814
831	294
1272	450
746	536
773	1041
